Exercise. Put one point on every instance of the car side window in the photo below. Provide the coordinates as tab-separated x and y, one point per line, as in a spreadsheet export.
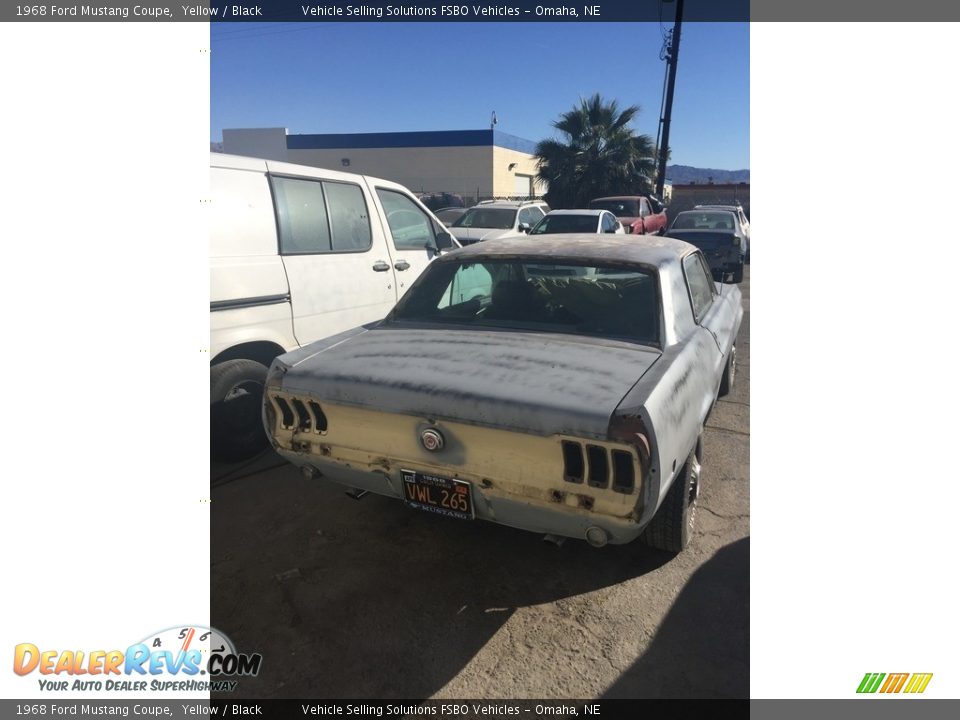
410	227
530	215
609	223
699	284
644	208
316	216
709	274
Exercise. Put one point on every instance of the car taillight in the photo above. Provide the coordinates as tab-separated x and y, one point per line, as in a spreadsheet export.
631	430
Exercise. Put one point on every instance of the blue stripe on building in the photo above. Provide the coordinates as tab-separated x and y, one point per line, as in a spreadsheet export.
437	138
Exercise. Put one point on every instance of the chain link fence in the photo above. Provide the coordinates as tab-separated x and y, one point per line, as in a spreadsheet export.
686	197
683	197
447	198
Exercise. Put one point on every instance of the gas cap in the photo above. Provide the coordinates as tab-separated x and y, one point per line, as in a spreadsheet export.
431	439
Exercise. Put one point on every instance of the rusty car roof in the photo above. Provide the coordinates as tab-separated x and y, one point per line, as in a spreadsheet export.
648	250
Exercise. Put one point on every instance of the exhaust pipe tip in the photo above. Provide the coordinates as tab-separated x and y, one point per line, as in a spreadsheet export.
555	540
597	536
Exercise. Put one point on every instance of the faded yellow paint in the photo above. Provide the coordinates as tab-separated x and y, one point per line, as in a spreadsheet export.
499	462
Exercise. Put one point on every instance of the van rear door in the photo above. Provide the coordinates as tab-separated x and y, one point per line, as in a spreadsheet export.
340	272
249	295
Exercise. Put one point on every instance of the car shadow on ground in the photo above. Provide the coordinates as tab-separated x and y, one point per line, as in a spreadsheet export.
371	599
703	641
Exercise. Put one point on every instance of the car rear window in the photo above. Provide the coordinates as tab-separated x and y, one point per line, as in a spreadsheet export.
566	224
533	295
704	221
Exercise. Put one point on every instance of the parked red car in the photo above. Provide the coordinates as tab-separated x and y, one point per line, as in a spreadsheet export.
639	215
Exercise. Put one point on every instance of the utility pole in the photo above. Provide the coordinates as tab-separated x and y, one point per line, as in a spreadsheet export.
668	105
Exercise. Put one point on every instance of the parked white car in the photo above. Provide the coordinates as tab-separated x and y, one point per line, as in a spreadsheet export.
297	254
491	220
578	221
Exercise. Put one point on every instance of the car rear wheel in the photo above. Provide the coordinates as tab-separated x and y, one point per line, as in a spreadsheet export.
729	373
236	396
672	526
738	273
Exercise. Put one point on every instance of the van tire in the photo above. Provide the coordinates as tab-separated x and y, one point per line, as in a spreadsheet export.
672	527
236	396
738	274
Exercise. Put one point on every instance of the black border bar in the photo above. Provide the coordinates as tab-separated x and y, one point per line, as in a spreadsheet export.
609	11
259	11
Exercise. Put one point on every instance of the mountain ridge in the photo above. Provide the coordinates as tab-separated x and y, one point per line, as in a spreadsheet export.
687	174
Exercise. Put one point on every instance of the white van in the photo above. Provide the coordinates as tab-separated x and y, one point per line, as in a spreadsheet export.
298	254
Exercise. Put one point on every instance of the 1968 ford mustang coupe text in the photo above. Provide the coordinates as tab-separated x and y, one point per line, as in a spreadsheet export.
555	385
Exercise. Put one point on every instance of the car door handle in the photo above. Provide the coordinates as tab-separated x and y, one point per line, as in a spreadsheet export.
402	265
381	266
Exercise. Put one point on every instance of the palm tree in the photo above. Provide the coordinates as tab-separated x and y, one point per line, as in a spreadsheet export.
600	155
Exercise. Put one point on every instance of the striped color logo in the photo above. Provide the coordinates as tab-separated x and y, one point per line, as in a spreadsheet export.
913	683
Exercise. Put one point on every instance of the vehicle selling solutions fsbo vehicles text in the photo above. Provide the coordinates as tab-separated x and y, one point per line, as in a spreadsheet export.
450	11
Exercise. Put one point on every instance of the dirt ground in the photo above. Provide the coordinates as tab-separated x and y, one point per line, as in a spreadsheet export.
371	599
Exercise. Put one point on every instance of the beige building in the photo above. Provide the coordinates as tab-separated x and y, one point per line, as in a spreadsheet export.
475	164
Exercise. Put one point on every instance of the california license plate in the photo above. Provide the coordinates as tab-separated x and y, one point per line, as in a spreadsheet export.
444	496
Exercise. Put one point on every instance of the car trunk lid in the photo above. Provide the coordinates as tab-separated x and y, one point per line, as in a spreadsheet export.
535	383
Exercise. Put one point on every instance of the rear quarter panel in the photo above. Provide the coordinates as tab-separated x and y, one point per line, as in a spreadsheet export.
674	399
676	394
657	223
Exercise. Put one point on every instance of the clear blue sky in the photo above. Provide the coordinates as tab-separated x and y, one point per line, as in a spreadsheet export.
373	77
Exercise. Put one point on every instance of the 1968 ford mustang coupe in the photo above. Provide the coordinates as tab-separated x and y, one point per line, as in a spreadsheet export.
555	385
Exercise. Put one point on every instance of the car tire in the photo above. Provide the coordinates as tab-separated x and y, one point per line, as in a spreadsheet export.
729	373
236	396
738	274
672	527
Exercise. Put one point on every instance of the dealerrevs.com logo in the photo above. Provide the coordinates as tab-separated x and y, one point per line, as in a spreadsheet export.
911	683
183	659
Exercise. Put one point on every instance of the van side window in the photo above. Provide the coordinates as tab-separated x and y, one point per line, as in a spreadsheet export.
320	217
302	215
349	219
410	227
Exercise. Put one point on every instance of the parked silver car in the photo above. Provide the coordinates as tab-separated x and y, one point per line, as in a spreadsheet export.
742	219
719	235
555	384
